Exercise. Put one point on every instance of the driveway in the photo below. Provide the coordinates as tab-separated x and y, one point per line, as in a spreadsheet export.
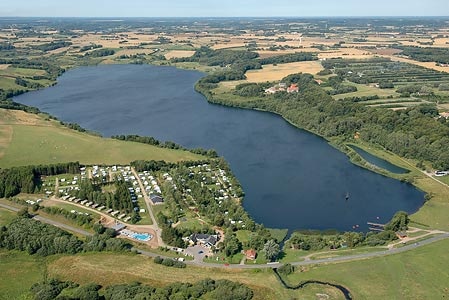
198	252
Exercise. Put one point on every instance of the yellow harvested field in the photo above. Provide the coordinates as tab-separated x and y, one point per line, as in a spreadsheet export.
441	42
270	53
133	51
443	106
273	73
346	53
179	53
3	67
19	117
228	45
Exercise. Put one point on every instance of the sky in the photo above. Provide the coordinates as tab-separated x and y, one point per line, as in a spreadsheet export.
221	8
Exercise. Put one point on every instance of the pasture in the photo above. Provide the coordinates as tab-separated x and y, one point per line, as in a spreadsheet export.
36	141
107	269
410	275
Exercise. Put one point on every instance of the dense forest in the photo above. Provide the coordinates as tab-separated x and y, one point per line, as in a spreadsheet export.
28	179
439	55
34	237
167	144
205	289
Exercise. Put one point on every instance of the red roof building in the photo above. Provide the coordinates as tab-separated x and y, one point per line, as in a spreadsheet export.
251	254
293	88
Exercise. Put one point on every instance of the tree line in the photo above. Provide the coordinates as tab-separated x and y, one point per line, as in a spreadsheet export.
28	179
221	289
167	144
439	55
317	241
34	237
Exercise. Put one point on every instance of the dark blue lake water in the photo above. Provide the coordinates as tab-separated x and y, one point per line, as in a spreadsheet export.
292	179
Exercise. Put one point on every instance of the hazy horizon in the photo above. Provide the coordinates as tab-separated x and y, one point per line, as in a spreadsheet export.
216	9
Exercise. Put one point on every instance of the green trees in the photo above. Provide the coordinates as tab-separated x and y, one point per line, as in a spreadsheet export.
271	250
42	239
399	222
288	58
286	269
231	244
205	289
27	179
35	237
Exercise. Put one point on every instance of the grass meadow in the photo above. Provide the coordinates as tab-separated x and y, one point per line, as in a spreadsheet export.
36	141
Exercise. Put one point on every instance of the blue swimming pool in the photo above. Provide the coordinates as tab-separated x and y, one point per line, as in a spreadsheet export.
144	237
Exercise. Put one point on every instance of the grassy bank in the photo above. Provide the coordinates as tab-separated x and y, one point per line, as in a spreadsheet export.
410	275
108	269
28	139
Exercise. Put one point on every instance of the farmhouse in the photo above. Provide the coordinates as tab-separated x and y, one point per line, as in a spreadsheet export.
282	87
251	254
206	240
293	88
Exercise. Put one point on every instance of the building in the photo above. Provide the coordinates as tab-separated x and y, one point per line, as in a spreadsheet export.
293	88
251	254
206	240
156	199
118	226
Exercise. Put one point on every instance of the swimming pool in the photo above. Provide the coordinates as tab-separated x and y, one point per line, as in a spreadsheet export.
144	237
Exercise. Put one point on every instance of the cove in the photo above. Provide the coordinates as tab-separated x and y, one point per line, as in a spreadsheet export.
379	162
292	179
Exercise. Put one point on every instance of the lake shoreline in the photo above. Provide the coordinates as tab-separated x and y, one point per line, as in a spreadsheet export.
292	143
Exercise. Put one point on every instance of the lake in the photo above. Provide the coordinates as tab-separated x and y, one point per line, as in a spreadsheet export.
379	162
292	179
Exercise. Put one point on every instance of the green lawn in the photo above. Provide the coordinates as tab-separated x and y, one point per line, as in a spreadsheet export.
12	71
45	145
19	272
417	274
6	216
243	235
444	179
365	90
434	212
8	83
278	234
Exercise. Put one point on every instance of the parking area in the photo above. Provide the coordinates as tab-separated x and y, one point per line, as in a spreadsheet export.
198	252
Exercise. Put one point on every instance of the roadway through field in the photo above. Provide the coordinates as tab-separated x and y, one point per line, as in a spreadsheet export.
344	258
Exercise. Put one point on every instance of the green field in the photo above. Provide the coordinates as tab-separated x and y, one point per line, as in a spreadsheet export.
44	142
19	272
107	269
417	274
366	90
410	275
6	216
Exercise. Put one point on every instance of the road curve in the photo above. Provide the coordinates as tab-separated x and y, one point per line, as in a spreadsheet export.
344	258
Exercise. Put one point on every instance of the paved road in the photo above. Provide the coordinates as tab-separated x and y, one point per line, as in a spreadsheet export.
149	208
270	265
49	221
